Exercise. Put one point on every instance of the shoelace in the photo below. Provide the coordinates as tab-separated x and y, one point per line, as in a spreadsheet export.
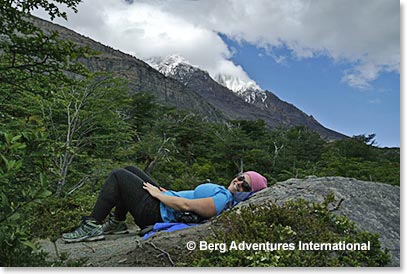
79	231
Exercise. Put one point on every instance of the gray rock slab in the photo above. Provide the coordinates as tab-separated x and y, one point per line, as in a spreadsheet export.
374	207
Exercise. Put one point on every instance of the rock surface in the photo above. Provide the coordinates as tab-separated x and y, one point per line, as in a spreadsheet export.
374	207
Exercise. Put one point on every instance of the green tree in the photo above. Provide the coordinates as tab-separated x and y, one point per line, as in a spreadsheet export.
230	147
86	119
296	152
31	59
32	65
17	193
142	112
358	157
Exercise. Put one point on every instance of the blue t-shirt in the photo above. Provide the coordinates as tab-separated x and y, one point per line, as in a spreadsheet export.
220	195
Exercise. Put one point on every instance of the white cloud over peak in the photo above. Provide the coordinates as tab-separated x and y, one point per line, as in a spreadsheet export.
364	34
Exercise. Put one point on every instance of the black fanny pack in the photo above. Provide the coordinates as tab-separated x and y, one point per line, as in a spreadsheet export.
188	217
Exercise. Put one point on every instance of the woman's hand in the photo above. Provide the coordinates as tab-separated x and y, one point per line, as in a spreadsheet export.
153	190
163	189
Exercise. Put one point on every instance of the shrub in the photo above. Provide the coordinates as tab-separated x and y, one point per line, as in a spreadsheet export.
59	215
290	223
16	197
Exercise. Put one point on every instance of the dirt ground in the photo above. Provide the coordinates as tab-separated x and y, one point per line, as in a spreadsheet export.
162	249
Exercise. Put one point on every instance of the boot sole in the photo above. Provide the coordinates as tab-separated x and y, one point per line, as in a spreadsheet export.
84	239
116	233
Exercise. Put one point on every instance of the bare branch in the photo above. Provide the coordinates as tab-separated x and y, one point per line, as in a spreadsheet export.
78	185
163	252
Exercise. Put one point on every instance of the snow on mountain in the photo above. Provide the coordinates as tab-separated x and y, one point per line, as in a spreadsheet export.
171	65
234	83
176	65
250	91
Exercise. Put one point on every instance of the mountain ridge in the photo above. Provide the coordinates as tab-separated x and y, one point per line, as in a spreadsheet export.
193	90
263	103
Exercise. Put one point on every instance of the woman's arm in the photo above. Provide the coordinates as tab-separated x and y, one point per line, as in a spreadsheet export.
204	207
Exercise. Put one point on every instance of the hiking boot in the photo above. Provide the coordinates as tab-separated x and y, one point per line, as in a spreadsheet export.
89	230
113	226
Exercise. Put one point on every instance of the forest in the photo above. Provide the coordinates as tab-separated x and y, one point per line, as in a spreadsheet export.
63	129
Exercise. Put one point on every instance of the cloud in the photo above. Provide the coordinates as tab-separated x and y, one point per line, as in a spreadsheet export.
360	76
145	31
363	34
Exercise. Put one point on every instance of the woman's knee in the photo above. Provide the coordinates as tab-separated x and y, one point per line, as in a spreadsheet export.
133	169
117	173
124	177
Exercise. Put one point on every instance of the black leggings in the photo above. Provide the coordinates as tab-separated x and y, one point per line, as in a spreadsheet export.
123	190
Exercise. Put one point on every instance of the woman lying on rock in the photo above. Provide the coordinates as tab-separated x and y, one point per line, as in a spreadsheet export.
131	190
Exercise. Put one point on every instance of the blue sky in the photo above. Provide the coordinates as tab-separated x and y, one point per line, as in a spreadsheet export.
333	59
314	85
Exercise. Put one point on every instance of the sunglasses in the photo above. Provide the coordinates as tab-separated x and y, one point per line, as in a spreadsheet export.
245	185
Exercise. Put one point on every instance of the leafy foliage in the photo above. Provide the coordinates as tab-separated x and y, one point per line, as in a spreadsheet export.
32	65
82	119
289	224
31	59
16	194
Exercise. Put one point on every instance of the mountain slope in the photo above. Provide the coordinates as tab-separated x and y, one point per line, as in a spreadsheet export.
141	77
245	101
187	87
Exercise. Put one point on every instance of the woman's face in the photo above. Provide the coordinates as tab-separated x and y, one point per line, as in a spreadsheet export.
236	185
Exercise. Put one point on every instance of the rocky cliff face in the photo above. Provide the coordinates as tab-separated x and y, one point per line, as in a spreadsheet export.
374	207
240	100
190	88
141	77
